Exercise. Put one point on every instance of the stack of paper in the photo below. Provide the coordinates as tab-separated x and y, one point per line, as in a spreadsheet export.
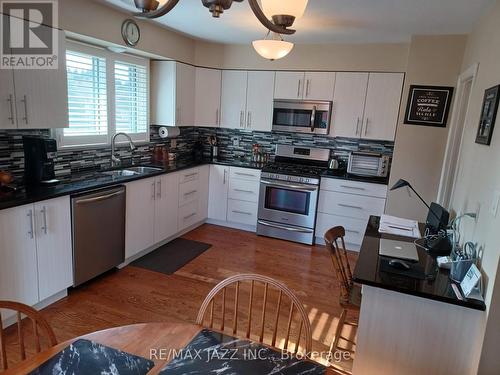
399	226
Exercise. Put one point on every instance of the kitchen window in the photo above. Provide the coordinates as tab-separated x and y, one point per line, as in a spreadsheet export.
108	93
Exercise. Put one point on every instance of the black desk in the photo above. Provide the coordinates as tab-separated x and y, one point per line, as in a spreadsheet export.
437	286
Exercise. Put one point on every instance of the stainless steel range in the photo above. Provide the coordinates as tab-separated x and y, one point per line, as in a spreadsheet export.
289	190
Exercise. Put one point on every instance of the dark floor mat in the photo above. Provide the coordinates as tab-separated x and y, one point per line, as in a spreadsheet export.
170	257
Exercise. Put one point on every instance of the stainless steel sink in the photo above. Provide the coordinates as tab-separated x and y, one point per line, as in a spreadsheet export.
131	171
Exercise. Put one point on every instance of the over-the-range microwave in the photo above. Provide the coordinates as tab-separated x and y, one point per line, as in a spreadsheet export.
302	116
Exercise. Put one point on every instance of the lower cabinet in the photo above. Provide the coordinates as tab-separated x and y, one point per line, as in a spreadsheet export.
217	192
35	251
166	207
193	196
242	212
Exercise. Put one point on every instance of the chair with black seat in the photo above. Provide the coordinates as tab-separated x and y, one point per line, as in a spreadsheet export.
350	293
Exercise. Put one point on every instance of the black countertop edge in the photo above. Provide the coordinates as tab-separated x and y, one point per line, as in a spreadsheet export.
95	180
350	177
476	305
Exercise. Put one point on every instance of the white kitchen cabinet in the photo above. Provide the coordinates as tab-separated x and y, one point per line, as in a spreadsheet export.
54	248
166	206
348	104
319	86
383	98
218	192
242	212
304	85
193	196
203	201
18	265
259	106
233	99
289	85
207	97
35	98
140	216
172	93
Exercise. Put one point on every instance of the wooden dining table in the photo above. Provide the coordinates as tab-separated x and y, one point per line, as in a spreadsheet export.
138	339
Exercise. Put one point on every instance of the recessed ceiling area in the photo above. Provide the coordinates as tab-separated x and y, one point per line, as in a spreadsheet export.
328	21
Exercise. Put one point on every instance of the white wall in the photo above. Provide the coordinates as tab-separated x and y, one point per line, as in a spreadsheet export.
479	175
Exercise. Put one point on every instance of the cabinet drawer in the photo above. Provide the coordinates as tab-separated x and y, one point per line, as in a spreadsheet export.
354	187
242	212
189	175
350	205
244	190
354	228
188	215
244	173
188	192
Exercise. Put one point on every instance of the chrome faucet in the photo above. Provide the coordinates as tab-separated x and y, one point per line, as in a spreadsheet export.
115	160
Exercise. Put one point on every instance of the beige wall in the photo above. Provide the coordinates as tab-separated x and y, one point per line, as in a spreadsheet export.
479	175
419	150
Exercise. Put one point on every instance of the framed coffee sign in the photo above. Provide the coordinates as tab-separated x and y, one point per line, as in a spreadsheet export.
428	105
488	115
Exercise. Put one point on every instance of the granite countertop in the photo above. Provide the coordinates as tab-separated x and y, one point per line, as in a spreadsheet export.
434	282
83	182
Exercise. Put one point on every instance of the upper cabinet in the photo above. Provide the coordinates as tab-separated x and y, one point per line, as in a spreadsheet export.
172	93
35	98
247	100
207	97
304	85
366	105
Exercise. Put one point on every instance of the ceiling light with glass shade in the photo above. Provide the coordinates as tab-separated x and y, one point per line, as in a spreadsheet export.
274	48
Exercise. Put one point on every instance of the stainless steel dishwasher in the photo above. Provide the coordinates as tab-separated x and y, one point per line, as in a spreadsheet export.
98	225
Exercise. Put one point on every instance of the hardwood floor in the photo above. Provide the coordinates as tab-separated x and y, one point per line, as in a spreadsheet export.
134	295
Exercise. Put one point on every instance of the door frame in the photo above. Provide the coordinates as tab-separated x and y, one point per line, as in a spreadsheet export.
455	136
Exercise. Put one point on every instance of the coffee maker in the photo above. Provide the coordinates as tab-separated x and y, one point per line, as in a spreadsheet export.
39	154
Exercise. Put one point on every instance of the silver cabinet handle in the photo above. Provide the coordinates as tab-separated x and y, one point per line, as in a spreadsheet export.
31	232
352	187
158	185
298	89
307	87
189	216
190	175
11	106
44	226
357	126
242	119
25	101
190	192
242	212
244	174
366	127
244	191
284	228
224	181
153	191
349	206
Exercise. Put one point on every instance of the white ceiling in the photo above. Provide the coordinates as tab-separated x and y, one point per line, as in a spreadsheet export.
329	21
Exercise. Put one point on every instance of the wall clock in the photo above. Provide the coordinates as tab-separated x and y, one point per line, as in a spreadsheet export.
130	32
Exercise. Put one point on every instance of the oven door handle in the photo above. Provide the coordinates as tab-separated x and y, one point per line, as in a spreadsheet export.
313	117
305	188
290	229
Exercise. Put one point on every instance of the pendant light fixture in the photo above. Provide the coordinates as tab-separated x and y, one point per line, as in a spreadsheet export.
274	48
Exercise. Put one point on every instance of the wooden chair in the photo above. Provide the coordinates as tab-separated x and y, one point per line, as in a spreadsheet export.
37	321
350	293
285	297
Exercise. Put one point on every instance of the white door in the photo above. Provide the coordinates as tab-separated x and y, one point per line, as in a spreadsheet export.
139	234
207	97
382	105
217	192
7	97
185	81
42	94
166	208
260	101
18	266
289	85
233	99
319	85
348	104
54	249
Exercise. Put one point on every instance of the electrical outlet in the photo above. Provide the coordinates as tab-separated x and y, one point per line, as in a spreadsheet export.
494	203
173	143
236	142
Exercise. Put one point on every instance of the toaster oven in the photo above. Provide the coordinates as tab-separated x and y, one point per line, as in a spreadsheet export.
369	164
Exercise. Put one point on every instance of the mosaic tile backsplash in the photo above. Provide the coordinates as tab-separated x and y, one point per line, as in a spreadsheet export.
233	144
